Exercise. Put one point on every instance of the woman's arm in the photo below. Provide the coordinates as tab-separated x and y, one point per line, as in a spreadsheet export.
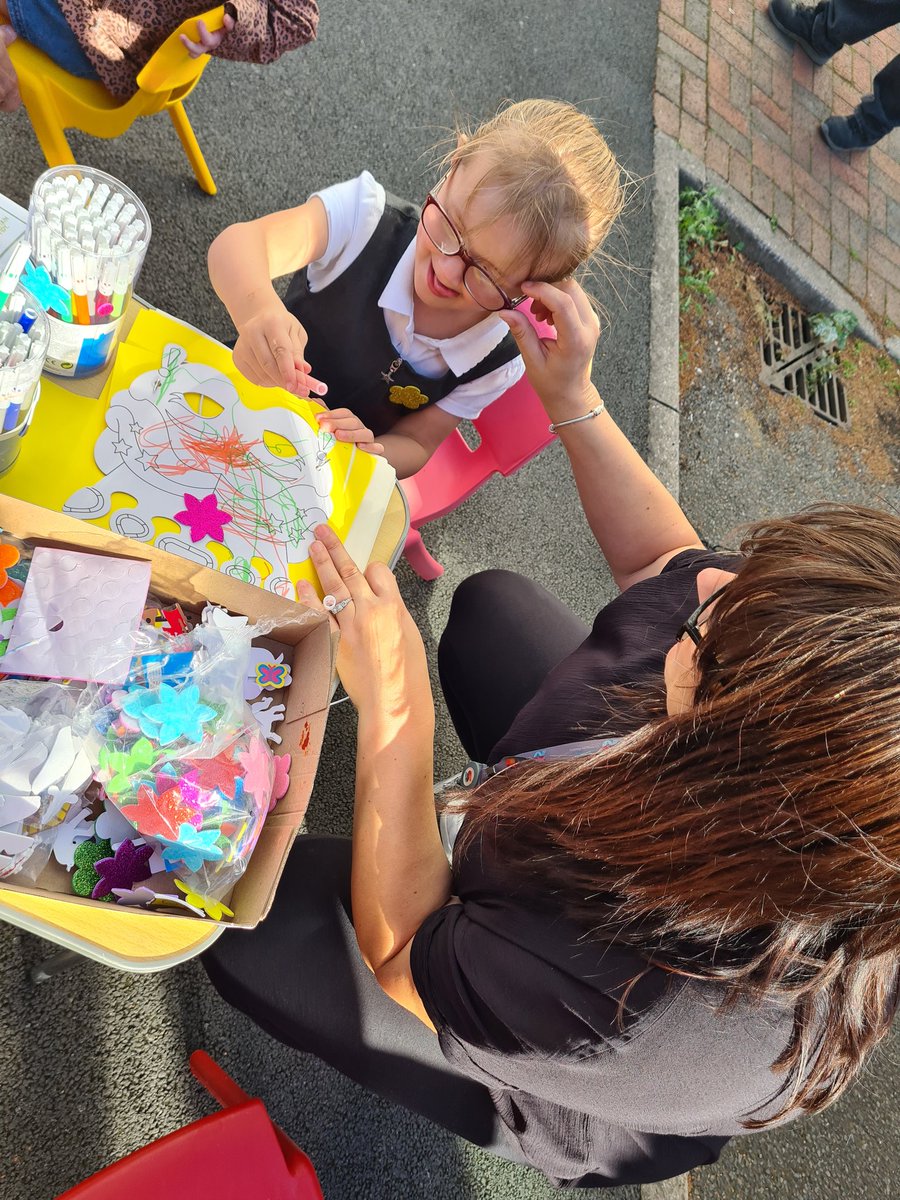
637	523
243	260
400	873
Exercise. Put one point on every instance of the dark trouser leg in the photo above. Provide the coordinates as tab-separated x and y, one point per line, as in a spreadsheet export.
299	975
883	106
504	636
844	22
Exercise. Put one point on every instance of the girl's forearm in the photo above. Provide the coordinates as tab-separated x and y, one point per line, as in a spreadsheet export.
405	454
239	271
631	514
400	873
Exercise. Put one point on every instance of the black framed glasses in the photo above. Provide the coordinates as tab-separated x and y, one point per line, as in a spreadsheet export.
443	234
691	627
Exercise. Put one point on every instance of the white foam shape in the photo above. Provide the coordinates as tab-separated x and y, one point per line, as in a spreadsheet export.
67	837
220	618
58	799
15	849
59	760
14	723
16	809
156	449
111	824
18	771
79	774
268	714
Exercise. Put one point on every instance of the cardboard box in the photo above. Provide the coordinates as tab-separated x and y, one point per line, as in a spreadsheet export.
311	646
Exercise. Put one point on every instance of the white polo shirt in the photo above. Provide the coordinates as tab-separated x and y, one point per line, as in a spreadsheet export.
354	209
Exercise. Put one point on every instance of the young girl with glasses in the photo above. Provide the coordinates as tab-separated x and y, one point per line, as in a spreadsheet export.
402	312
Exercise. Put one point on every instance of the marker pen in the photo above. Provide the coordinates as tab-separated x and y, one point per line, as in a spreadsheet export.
103	239
79	288
70	228
44	246
11	418
69	182
14	269
126	216
27	318
20	349
106	285
124	275
8	333
4	355
54	218
99	198
126	239
64	275
83	190
112	207
91	280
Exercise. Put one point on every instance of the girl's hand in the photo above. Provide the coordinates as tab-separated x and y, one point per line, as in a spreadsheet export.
559	370
209	41
347	427
270	351
381	658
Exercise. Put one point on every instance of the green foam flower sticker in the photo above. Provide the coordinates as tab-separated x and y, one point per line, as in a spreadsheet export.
122	765
86	875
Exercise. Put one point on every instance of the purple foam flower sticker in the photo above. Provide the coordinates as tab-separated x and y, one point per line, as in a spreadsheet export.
193	847
128	865
203	517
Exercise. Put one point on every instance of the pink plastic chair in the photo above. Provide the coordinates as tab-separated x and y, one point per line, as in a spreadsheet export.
512	430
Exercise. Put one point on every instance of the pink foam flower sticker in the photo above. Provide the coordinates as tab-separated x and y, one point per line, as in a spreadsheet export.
282	778
128	866
256	761
203	517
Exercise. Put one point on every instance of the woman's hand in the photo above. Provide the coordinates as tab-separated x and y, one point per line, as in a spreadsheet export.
347	427
558	369
381	658
209	41
270	351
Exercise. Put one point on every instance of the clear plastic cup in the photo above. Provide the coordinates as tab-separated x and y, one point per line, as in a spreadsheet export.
24	341
88	234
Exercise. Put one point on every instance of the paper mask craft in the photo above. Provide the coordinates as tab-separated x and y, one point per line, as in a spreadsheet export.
221	472
77	617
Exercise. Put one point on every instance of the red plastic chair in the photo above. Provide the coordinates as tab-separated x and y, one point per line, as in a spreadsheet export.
512	430
233	1155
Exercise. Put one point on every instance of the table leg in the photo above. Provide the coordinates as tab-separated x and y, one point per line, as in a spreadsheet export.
61	961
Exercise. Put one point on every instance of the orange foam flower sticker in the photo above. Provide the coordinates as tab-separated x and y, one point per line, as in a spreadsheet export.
9	589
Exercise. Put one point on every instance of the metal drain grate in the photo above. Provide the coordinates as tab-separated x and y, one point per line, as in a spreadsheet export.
792	363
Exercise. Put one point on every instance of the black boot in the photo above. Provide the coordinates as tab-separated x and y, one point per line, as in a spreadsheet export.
862	129
805	26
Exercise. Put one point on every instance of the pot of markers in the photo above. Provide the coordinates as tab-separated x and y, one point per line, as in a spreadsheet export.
24	338
88	235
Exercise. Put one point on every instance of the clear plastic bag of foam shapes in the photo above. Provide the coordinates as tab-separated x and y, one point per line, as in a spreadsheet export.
45	771
184	761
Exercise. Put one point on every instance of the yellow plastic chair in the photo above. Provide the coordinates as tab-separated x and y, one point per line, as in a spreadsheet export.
56	100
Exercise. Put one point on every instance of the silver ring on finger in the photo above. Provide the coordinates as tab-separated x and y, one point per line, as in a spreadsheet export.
334	605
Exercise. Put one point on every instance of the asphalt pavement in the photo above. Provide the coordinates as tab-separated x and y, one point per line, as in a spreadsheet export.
95	1062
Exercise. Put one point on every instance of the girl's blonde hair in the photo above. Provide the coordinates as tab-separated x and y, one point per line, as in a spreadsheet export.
553	175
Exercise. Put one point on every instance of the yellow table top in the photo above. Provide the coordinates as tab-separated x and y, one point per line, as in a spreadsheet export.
132	940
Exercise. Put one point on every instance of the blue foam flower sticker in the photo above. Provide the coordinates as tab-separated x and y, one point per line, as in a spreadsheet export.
175	713
193	847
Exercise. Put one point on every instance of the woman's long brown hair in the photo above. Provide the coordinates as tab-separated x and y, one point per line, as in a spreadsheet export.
755	840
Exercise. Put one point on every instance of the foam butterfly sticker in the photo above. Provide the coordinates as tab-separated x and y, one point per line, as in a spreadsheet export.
127	866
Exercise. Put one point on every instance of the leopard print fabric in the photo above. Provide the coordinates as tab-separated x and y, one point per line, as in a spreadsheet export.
119	36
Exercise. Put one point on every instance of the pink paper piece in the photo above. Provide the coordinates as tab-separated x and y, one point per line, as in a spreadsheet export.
77	617
203	517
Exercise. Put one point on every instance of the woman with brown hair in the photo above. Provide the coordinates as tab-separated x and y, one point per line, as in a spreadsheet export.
673	909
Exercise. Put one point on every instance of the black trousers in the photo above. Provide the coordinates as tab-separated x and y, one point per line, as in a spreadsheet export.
844	22
299	975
